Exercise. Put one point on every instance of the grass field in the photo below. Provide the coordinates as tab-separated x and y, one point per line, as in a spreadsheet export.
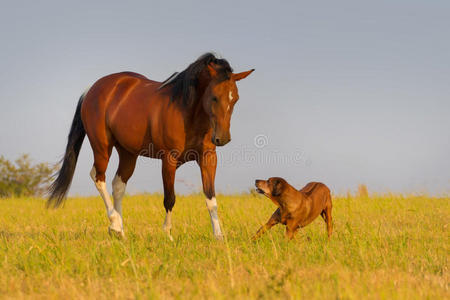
383	247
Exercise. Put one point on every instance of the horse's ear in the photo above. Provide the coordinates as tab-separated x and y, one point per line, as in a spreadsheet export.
242	75
212	71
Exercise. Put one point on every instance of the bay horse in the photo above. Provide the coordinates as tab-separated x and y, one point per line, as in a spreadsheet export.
178	120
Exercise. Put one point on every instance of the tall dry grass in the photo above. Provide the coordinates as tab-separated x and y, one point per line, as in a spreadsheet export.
388	247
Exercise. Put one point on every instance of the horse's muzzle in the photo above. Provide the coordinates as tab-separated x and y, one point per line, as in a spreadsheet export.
220	141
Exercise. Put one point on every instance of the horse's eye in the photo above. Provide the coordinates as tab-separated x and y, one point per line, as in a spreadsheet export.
214	99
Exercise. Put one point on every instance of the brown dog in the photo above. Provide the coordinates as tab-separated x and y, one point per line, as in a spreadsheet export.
295	208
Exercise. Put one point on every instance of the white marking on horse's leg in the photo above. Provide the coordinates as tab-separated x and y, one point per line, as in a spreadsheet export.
211	204
93	173
167	226
113	215
118	192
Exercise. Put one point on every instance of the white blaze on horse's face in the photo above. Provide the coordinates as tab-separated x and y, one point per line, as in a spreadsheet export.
230	97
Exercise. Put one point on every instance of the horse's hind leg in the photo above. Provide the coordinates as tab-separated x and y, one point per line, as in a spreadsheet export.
127	162
101	159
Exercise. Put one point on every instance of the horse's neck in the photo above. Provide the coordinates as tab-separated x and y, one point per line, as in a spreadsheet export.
197	119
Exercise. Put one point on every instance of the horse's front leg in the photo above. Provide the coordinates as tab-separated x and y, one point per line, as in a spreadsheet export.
168	174
208	162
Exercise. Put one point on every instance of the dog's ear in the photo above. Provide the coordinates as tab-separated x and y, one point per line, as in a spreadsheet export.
277	188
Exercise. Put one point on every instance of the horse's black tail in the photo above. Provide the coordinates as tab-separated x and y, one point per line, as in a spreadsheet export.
58	189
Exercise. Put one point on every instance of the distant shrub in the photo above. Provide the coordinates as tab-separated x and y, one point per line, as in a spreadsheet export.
23	178
362	191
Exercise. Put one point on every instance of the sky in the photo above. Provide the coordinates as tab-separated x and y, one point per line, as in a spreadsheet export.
344	92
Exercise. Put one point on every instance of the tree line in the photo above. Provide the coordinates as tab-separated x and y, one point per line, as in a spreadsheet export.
22	177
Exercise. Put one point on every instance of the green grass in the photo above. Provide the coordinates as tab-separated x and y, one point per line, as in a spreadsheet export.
388	247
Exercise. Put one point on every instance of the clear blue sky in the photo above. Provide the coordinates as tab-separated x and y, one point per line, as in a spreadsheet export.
344	92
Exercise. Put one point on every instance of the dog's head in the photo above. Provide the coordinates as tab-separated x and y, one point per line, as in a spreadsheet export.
272	187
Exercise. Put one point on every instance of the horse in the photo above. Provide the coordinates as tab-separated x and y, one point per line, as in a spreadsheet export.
181	119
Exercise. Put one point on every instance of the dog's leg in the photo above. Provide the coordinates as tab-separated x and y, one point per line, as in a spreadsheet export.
323	214
290	232
329	220
274	220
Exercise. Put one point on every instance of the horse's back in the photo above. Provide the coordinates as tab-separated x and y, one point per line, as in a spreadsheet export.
108	90
116	106
115	83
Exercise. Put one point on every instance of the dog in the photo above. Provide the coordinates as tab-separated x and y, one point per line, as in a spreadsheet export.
295	208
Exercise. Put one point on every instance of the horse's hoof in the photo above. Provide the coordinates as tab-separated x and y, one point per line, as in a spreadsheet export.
168	234
120	234
219	237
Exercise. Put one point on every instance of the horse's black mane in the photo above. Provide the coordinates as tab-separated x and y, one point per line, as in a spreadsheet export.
183	85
